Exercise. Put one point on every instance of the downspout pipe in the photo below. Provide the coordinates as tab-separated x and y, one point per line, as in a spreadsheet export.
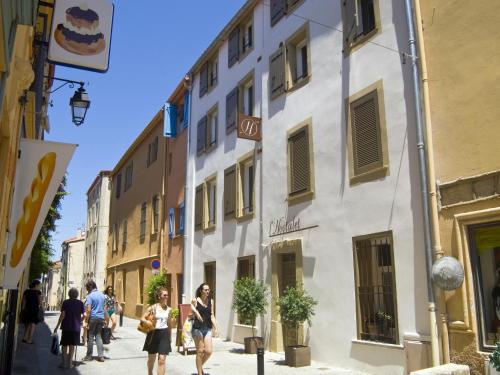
422	167
188	237
436	239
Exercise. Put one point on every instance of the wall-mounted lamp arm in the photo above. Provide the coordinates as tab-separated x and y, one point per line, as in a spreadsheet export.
66	82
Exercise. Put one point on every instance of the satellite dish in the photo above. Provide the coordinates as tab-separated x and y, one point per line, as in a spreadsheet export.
447	273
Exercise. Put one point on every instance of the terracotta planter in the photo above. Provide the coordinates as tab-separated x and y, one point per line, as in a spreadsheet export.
298	356
252	343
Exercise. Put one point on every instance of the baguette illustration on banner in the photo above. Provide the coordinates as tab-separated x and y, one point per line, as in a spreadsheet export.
31	206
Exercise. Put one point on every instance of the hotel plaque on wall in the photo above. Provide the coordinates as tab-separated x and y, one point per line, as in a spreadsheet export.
249	127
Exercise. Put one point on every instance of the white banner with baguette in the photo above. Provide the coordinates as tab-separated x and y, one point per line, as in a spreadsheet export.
39	171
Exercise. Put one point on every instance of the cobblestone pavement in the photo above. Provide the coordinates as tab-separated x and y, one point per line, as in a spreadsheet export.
125	356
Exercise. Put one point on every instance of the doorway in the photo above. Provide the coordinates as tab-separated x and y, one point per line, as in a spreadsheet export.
210	279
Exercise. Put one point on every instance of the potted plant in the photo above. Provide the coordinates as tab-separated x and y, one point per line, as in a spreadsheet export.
494	365
174	315
250	301
295	307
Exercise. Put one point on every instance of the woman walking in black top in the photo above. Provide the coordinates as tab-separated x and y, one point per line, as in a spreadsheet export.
204	325
30	312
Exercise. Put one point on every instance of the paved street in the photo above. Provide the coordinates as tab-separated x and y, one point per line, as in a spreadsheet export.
125	356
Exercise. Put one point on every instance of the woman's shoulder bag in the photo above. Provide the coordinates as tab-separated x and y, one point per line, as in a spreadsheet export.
151	322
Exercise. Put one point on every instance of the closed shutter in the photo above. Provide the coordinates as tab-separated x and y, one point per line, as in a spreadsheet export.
186	110
181	218
170	119
231	110
229	192
277	73
277	10
118	185
366	139
198	208
290	4
233	44
350	21
204	79
300	170
202	135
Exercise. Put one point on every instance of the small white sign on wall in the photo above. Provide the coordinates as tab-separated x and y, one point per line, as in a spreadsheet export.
81	34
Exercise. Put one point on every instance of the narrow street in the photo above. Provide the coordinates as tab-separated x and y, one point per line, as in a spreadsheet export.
125	356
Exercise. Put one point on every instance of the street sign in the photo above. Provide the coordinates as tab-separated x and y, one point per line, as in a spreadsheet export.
155	264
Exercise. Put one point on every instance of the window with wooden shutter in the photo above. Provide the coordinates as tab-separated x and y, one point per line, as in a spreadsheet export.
360	20
142	235
118	185
230	192
245	192
201	135
231	110
233	47
210	202
297	71
299	158
291	5
198	208
212	128
277	10
204	79
277	73
365	132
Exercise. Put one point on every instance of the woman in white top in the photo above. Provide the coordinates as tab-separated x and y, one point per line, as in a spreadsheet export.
158	341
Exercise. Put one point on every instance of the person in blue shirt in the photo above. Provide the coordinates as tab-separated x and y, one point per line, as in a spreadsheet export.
96	316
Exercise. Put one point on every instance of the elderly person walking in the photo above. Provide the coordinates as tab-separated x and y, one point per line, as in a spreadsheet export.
96	316
70	321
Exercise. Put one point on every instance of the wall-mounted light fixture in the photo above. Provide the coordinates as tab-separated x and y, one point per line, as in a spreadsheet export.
80	101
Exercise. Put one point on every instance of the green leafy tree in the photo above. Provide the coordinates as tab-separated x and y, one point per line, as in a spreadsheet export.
155	282
295	307
42	250
249	300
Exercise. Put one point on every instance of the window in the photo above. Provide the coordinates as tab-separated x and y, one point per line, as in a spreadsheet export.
246	267
207	131
240	99
213	119
124	234
140	299
180	216
198	208
230	192
367	141
281	7
300	176
211	202
171	223
375	288
152	152
143	223
155	205
117	237
208	75
246	190
360	20
118	185
128	176
289	66
240	42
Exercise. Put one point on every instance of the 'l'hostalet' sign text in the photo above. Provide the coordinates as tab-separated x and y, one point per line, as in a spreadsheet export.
282	226
249	127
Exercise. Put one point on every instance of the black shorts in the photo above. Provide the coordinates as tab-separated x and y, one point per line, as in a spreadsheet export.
70	338
158	342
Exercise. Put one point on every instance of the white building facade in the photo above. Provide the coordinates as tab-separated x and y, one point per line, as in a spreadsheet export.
53	279
96	244
72	256
329	198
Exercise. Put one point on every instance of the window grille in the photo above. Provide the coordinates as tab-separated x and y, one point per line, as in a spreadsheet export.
375	287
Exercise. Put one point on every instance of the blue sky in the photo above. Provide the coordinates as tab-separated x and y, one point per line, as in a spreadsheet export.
155	42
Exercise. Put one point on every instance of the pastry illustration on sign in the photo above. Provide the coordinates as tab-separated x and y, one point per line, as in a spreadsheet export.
31	206
80	32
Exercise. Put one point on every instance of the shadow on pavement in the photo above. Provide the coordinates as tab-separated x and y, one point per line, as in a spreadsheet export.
36	358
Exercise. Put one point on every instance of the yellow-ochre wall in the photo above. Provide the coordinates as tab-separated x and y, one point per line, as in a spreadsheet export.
461	40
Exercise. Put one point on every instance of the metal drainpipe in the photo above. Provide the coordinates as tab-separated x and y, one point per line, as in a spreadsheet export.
187	239
422	164
436	240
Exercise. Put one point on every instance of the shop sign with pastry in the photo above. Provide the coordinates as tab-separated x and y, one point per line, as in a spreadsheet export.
81	34
39	171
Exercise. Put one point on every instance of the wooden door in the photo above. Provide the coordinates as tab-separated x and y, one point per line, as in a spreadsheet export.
210	280
288	277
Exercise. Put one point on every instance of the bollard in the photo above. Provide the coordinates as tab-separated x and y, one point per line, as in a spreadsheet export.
121	319
260	361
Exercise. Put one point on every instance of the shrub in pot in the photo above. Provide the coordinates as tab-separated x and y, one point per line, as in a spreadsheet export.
250	301
155	282
494	366
296	307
